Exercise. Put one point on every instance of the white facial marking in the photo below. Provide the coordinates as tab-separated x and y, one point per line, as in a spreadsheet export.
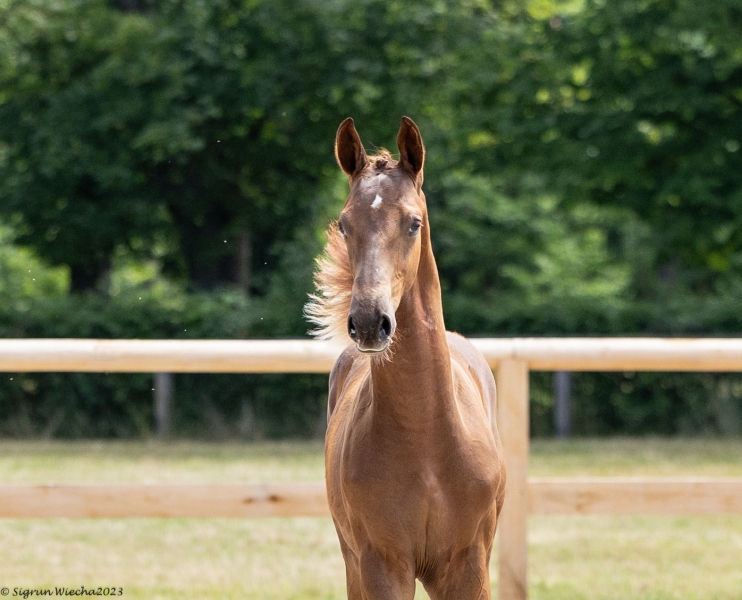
377	202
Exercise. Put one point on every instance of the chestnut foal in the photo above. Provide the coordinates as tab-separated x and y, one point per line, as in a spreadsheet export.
414	468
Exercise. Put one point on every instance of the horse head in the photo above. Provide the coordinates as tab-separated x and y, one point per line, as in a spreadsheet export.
381	224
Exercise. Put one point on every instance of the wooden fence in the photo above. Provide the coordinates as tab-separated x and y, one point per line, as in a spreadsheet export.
511	359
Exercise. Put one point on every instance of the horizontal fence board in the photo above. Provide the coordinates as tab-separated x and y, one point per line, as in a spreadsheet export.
167	356
310	356
552	496
611	496
619	354
185	500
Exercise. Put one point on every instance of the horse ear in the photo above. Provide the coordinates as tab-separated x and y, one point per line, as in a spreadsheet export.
349	150
411	149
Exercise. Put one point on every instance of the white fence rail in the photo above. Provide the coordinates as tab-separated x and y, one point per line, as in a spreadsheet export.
512	359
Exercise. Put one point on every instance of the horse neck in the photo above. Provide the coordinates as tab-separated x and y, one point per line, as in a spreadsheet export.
416	384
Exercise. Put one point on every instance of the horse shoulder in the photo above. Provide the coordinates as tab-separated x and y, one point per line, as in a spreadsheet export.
465	353
342	387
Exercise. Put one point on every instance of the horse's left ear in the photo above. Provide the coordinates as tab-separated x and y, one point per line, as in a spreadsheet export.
411	149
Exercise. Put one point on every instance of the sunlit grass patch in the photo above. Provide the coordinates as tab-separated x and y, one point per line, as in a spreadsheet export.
642	557
571	558
660	457
160	462
184	558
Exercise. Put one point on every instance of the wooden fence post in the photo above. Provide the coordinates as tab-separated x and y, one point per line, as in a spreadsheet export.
562	404
512	401
164	385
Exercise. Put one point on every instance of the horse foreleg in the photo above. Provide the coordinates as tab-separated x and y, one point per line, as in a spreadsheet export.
467	578
386	576
352	571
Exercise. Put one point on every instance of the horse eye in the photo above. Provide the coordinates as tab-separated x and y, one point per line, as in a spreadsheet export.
342	230
414	228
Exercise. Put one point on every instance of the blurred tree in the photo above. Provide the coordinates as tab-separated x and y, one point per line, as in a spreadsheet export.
197	131
634	104
24	278
583	167
525	264
172	130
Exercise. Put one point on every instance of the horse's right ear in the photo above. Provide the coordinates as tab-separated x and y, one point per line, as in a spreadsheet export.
349	150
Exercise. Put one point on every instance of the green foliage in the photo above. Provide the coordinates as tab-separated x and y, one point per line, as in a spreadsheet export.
633	104
120	405
190	123
137	301
583	177
23	277
525	265
631	403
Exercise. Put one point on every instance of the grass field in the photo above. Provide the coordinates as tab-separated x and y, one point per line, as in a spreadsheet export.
617	558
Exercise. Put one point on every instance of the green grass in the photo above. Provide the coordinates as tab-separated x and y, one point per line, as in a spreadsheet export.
158	462
621	558
637	457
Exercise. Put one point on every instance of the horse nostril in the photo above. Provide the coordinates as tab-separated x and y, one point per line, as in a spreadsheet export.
352	329
386	328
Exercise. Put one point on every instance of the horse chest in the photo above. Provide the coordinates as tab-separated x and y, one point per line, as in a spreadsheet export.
425	482
432	494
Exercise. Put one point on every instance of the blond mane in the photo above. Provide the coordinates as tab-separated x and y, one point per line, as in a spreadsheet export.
328	309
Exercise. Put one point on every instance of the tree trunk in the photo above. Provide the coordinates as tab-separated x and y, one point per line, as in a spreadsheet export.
83	278
244	262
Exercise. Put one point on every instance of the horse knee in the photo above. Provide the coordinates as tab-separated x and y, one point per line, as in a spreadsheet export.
386	574
467	577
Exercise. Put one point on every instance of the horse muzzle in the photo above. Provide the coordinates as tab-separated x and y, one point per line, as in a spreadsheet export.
371	330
